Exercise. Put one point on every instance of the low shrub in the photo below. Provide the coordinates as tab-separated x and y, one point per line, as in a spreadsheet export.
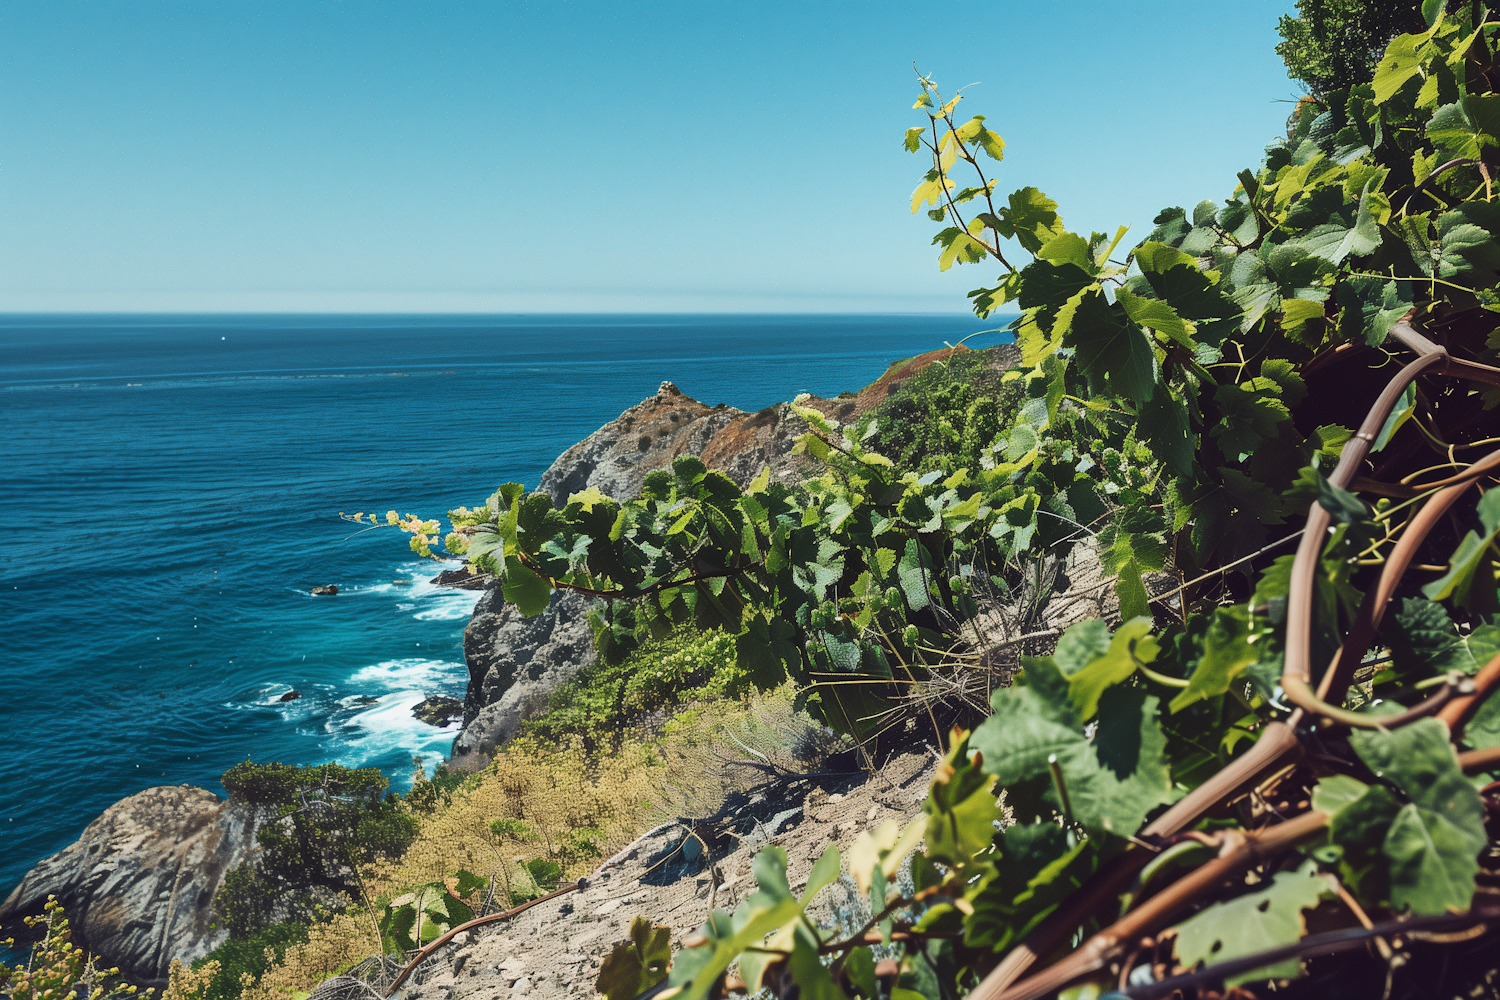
279	784
944	416
57	969
606	700
241	962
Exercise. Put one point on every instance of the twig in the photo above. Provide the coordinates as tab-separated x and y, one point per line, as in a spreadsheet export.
426	952
1314	944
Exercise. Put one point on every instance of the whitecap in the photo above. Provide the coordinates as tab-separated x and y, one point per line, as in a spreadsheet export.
387	726
412	675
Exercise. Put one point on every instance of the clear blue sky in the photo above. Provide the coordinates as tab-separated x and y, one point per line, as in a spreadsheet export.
581	155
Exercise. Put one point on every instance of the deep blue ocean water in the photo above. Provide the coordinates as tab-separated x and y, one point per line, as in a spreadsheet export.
171	488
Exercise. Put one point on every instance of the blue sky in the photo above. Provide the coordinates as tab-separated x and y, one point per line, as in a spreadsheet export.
581	155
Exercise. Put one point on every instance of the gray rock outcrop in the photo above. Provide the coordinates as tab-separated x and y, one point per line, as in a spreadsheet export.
515	663
138	886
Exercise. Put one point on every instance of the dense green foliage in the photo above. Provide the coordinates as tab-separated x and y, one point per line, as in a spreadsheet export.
280	784
1335	44
325	822
245	959
1179	404
946	415
607	700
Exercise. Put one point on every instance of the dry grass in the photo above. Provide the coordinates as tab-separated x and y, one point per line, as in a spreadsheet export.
575	810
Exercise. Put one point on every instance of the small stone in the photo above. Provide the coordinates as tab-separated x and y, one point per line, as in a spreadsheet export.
331	590
522	986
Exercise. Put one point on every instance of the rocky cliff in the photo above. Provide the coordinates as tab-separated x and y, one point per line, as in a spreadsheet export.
139	885
515	663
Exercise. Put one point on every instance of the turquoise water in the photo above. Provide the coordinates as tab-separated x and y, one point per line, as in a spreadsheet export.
171	488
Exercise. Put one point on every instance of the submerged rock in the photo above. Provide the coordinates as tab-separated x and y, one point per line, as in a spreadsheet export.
438	711
290	696
331	590
138	886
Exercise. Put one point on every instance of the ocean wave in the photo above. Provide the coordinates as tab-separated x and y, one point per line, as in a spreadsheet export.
414	675
379	730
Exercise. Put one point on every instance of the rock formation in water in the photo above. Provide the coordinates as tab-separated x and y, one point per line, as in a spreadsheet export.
139	885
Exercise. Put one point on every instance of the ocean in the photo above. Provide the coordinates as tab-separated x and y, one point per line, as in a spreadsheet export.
172	486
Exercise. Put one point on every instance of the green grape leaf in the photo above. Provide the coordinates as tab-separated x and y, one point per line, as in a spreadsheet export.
824	873
1031	218
1227	652
765	911
765	649
812	977
1483	729
1470	580
1038	868
1423	638
636	964
1332	794
961	810
1400	414
1111	782
1333	242
1468	126
1252	414
1164	426
1398	66
859	967
1154	314
1112	353
530	593
1256	922
1342	506
1433	841
1131	644
1369	307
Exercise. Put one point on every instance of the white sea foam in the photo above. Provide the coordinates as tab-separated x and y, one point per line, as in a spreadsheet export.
411	676
377	730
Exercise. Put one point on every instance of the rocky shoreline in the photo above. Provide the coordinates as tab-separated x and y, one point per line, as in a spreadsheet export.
140	882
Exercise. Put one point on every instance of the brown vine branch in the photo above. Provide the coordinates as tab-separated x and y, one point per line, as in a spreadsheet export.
1278	739
1314	944
623	594
1160	909
1457	711
426	952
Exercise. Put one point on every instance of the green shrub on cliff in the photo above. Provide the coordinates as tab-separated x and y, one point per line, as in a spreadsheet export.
328	821
241	962
281	784
946	415
606	699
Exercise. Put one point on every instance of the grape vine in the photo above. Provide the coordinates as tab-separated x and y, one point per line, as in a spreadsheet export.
1260	735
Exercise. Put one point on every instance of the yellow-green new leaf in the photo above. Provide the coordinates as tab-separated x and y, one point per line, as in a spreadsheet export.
1131	644
1157	315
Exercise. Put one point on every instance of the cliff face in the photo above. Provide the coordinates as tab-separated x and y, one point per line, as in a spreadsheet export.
515	663
138	886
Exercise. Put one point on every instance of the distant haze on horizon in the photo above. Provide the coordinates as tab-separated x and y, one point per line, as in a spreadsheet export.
576	156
